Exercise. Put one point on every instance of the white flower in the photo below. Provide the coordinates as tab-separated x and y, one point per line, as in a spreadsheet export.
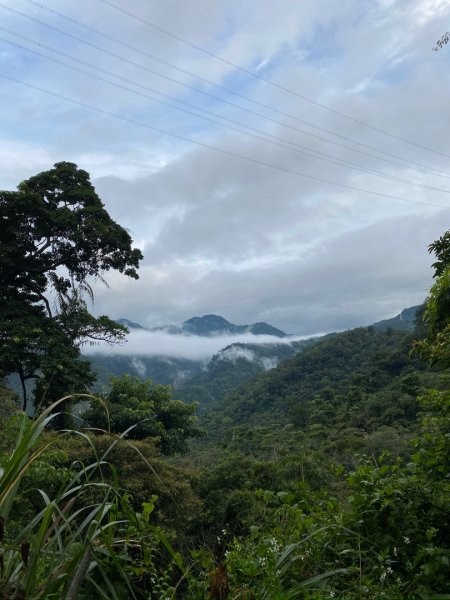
406	539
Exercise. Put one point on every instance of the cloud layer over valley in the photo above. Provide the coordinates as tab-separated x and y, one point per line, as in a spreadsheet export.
162	344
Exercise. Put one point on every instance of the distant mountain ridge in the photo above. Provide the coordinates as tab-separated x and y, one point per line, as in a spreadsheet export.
209	382
131	324
405	321
215	324
209	325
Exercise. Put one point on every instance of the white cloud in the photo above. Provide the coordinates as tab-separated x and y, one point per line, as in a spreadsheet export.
228	236
19	161
234	353
159	343
139	367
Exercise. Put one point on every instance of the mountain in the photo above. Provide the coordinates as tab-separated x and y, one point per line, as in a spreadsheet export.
364	379
160	369
130	324
232	366
405	321
224	376
210	325
214	382
192	379
262	328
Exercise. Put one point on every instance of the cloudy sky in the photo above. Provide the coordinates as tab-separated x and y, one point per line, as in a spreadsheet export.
281	161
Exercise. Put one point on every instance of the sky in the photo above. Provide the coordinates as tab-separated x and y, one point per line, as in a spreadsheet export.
279	161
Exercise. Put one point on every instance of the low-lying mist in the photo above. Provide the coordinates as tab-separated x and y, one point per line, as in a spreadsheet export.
160	343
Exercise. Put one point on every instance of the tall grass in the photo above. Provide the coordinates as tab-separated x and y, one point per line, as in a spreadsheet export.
73	540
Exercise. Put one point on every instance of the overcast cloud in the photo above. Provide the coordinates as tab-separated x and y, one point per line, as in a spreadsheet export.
286	232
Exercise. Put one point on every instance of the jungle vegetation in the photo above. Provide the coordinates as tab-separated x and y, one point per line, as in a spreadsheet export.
327	476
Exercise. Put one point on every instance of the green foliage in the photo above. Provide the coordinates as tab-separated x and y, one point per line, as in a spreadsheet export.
402	511
380	532
354	392
45	558
227	489
330	478
55	235
342	369
8	405
378	525
145	410
233	366
436	348
84	538
260	568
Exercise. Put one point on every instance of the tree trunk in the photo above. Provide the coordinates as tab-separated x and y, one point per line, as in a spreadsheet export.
24	389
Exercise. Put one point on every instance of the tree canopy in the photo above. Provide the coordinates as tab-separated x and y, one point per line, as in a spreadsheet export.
436	347
56	236
149	410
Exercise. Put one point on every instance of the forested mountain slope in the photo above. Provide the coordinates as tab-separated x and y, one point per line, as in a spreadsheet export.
362	379
405	321
231	367
165	370
208	382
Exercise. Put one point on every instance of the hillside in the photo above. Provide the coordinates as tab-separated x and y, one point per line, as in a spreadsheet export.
177	370
362	379
208	382
405	321
232	366
160	369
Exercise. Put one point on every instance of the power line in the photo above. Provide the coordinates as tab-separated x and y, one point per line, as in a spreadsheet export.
216	148
425	170
293	148
267	137
417	166
263	79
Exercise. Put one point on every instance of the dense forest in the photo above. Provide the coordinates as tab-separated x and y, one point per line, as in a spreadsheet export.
327	476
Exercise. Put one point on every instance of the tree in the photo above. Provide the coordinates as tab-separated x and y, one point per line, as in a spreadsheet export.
406	507
56	236
32	345
436	348
150	411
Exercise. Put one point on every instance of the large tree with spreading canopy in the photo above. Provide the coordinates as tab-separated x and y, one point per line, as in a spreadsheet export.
56	237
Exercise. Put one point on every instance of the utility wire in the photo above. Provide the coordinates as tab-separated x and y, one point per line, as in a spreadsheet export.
205	93
263	79
267	137
425	170
217	149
